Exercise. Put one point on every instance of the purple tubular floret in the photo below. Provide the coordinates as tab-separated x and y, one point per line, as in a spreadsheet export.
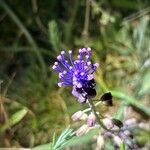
70	56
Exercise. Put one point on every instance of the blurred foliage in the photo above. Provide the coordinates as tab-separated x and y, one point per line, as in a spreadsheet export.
33	32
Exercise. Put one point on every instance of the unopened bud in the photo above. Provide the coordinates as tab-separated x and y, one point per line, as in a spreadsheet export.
117	140
130	122
122	135
77	115
117	123
144	125
100	142
127	133
108	135
91	120
82	130
108	123
84	116
107	99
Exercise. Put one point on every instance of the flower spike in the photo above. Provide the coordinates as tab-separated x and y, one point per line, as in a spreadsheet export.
77	73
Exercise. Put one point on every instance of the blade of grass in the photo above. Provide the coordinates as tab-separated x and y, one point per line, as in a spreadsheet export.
122	146
131	101
28	36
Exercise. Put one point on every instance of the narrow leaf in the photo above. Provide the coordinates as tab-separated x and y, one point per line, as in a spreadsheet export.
18	116
122	146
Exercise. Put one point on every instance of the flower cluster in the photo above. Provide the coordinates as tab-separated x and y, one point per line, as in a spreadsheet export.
123	133
110	124
77	73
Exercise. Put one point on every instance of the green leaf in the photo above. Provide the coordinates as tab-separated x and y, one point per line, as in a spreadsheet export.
18	116
81	140
54	35
109	145
122	146
120	111
145	88
131	101
43	147
65	136
52	144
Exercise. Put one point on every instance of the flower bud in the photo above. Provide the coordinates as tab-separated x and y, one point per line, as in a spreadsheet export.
144	125
122	135
130	122
84	117
108	123
82	130
108	135
117	140
117	123
91	120
77	115
100	142
128	133
107	99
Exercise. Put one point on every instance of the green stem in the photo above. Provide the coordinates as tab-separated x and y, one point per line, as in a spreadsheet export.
86	21
88	109
131	101
93	108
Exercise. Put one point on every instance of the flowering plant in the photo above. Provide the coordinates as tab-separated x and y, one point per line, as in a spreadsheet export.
79	75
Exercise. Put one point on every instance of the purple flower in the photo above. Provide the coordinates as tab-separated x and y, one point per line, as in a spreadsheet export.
77	73
91	120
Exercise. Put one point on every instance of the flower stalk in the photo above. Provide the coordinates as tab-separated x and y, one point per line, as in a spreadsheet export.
93	108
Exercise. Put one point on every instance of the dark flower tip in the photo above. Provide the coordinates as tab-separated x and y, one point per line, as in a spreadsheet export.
107	99
77	73
117	123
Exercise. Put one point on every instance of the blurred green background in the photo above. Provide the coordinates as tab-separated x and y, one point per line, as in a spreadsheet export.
33	32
